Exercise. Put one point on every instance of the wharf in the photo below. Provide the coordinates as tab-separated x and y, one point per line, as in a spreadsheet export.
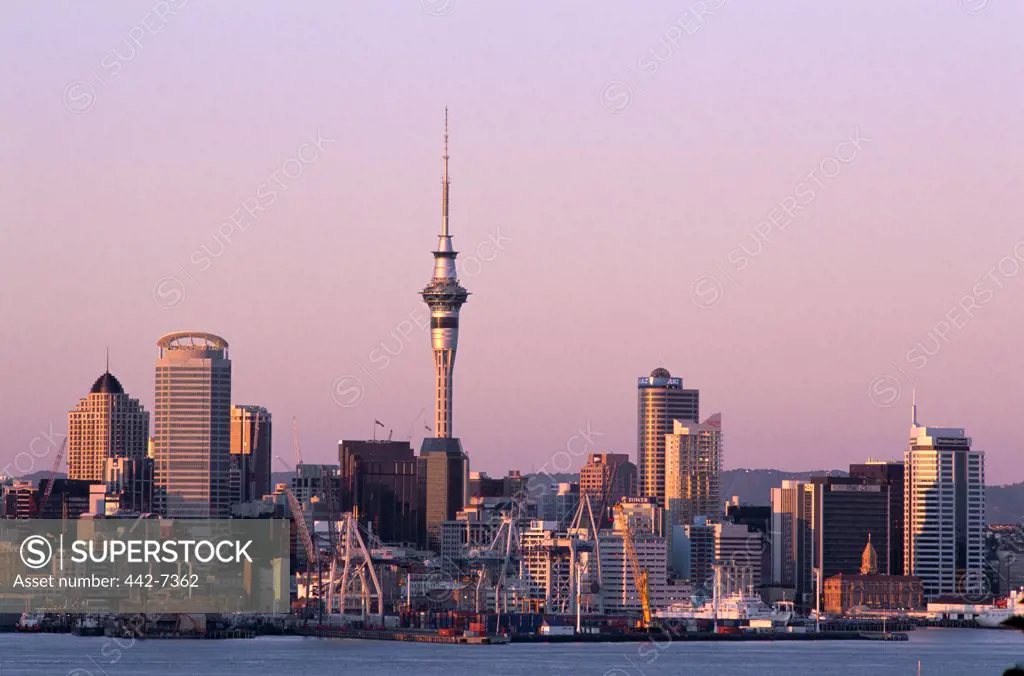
655	635
399	635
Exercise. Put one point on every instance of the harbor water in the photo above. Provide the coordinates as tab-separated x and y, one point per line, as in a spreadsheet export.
945	652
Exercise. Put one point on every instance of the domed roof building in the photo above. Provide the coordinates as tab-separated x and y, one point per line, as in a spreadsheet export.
106	423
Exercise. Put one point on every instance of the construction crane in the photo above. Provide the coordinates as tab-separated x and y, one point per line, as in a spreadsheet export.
307	542
639	574
295	441
53	475
419	416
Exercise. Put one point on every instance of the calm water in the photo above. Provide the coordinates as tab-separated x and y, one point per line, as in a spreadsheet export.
941	651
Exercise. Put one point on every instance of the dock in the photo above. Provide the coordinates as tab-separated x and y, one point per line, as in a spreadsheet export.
410	636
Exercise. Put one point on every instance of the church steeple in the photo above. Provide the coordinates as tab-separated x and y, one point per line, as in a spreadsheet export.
869	559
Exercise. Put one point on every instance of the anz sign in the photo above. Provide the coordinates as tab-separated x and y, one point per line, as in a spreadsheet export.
650	382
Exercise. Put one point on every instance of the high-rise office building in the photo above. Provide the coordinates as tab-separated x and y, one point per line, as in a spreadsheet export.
792	540
606	479
18	500
107	423
823	524
661	400
846	513
444	466
317	487
379	479
944	522
444	488
192	434
890	474
251	453
693	469
129	485
69	498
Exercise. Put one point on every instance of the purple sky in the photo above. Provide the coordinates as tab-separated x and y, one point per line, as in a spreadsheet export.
626	153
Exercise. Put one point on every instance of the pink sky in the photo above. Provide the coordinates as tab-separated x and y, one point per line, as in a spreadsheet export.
619	224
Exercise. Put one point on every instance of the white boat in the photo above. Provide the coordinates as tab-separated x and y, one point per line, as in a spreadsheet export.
994	617
738	606
30	622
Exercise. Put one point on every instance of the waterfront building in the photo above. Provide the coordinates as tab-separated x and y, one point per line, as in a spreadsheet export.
618	585
192	432
944	508
845	594
661	400
106	423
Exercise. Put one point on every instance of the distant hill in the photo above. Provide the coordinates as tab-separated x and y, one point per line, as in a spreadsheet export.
754	485
1004	504
36	477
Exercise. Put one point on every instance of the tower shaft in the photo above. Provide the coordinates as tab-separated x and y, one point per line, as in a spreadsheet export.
445	297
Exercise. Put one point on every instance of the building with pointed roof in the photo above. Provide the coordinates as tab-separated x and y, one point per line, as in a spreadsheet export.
107	423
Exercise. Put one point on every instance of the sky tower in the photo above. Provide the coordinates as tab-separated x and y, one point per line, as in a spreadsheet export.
444	295
443	467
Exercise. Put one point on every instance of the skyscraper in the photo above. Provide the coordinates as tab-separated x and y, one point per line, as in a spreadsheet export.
890	474
944	508
606	479
251	451
693	469
792	540
444	466
823	523
378	478
192	434
444	488
107	423
661	400
846	513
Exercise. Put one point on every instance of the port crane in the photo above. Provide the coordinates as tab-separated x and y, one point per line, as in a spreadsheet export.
53	476
356	562
639	573
307	542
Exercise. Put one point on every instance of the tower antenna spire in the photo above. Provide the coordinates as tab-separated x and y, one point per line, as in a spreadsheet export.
108	359
913	408
444	180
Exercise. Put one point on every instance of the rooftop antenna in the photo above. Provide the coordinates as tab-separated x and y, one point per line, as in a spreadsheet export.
444	180
913	408
108	359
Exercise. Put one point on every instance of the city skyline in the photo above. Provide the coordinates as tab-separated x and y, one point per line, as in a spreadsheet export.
113	230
